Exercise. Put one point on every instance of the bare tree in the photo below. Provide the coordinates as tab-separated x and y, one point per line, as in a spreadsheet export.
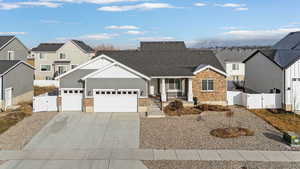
105	47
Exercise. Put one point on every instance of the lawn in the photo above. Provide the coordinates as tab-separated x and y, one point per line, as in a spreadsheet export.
11	117
281	120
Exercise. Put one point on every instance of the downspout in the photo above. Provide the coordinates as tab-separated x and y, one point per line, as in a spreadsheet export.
2	93
284	90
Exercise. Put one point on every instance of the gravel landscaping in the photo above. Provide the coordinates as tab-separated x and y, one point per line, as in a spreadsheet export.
218	165
16	137
185	132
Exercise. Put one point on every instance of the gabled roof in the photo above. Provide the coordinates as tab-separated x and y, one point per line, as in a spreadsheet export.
291	41
233	55
161	46
48	47
7	64
5	39
83	46
282	58
154	63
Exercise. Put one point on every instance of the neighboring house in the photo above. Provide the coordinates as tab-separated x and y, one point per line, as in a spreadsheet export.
232	61
16	82
277	70
53	59
124	81
11	48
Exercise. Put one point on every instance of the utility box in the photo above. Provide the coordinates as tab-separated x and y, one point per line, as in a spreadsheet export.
291	138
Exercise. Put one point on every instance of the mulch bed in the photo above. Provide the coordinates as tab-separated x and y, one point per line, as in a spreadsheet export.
231	132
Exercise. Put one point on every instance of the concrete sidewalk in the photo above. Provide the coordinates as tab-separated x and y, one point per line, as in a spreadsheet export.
153	154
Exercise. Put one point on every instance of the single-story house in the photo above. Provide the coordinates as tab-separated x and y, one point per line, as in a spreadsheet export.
16	82
126	80
277	70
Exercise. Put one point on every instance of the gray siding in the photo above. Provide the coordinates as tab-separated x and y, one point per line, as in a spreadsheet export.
262	75
122	83
20	79
20	50
72	80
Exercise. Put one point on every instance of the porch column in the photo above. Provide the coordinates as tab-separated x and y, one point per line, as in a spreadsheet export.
190	91
163	90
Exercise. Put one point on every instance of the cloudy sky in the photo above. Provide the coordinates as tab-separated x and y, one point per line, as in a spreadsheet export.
126	22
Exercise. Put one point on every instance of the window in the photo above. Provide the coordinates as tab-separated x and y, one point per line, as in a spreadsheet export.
235	78
173	84
73	66
45	68
49	78
208	85
62	69
235	66
62	56
10	55
41	56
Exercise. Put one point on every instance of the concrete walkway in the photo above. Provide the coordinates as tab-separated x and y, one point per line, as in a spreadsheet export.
150	154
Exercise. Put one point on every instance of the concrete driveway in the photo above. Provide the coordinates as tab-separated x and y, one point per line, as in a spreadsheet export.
77	130
72	131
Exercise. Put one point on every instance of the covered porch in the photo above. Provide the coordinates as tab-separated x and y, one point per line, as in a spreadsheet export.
171	88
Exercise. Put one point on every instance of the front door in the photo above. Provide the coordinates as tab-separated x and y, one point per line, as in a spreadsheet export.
8	97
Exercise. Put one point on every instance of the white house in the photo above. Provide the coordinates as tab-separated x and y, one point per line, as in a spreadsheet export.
277	70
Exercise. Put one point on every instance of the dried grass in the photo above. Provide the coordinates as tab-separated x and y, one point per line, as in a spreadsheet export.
176	108
208	107
41	90
232	132
283	121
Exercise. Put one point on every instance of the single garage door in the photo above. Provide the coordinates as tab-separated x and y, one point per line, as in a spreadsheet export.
115	100
71	99
296	93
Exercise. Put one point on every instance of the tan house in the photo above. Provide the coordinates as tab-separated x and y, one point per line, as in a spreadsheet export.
53	59
131	80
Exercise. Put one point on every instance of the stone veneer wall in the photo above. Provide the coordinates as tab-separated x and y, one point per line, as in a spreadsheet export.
88	104
218	96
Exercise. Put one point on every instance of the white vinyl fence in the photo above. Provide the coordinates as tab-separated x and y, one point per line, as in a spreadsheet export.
45	83
44	103
255	101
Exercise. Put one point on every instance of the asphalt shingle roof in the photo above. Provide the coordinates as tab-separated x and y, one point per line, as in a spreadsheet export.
83	46
291	41
161	46
166	62
7	64
5	39
48	47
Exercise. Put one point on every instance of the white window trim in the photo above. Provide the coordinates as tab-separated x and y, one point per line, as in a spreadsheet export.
207	84
68	67
174	90
237	66
64	54
45	65
41	54
13	55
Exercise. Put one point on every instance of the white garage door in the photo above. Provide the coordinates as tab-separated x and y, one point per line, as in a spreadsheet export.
296	93
71	99
115	100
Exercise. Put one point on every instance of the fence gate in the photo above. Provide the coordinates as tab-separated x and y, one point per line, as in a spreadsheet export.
45	103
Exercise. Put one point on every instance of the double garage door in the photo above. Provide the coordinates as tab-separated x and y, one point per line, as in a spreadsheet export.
115	100
104	100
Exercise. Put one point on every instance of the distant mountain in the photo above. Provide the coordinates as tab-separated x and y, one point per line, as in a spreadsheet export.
230	43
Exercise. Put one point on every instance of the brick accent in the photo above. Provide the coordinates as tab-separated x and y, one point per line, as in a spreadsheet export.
59	101
88	102
220	87
144	102
288	107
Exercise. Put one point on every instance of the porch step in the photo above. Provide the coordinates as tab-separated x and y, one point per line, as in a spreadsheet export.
154	110
156	114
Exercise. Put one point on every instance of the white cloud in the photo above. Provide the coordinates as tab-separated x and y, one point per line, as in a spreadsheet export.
230	28
231	5
93	1
259	34
200	4
15	5
143	6
100	36
13	33
122	27
242	9
155	38
134	32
